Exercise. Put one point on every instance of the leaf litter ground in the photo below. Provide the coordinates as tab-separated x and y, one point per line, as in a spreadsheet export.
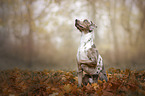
18	82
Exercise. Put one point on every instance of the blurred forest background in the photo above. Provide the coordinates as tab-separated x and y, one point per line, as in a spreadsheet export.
40	34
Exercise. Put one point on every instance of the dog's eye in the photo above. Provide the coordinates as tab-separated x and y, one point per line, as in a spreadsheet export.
90	30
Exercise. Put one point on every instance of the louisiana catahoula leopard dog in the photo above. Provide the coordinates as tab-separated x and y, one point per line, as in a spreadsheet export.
89	60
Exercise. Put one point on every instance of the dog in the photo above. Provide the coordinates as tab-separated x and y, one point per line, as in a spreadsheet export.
88	58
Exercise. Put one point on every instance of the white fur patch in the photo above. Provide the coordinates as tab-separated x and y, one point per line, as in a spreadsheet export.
99	64
85	44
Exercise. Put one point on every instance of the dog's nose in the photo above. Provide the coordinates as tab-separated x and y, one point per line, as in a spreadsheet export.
76	20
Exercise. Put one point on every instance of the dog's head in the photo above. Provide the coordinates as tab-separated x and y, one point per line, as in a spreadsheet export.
85	26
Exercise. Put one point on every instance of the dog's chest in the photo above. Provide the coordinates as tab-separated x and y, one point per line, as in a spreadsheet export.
82	52
85	44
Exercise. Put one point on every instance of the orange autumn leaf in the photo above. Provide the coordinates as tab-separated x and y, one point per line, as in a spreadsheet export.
67	88
49	82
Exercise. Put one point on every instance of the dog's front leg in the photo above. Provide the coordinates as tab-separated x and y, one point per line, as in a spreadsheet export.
80	74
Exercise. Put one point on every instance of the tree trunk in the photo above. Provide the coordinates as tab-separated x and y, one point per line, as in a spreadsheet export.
115	40
30	36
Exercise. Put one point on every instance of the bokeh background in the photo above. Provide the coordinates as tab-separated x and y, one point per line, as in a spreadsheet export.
40	34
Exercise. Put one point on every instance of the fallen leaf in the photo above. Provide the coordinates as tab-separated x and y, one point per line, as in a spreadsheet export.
67	88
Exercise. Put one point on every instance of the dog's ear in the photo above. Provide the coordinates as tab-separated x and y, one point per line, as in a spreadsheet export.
92	26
